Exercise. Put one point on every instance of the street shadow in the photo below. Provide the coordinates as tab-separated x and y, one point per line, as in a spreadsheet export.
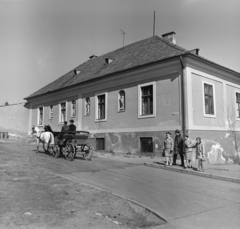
160	163
79	158
41	152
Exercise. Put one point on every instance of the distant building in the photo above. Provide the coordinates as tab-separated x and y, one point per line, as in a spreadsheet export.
131	96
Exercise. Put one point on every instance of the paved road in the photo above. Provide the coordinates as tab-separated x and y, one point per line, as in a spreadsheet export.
185	201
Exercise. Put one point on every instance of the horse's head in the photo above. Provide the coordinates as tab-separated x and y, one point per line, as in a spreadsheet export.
35	129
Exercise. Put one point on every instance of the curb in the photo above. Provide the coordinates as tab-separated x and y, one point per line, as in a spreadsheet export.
229	179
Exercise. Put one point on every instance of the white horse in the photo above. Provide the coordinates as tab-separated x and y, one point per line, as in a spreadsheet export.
44	137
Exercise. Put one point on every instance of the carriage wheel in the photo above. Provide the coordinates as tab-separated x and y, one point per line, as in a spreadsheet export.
88	153
69	151
56	151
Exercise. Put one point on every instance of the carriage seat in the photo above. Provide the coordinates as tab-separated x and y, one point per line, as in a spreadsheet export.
75	134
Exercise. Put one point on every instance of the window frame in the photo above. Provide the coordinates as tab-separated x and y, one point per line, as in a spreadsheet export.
38	116
140	86
50	112
96	107
60	114
236	108
124	101
214	101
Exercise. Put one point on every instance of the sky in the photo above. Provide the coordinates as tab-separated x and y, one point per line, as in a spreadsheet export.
41	40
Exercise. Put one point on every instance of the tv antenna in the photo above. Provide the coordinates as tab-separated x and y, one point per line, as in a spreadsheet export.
154	24
123	33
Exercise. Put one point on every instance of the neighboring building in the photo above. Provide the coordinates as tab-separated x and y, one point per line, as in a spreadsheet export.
130	97
14	119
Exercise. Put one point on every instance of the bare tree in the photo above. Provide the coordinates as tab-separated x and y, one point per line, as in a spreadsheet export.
232	114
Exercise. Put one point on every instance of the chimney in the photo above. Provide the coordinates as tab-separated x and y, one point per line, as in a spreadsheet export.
170	37
195	51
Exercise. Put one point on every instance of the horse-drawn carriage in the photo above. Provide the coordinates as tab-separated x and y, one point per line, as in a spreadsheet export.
71	144
67	143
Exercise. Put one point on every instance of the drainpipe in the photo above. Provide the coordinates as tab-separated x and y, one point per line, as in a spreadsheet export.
183	96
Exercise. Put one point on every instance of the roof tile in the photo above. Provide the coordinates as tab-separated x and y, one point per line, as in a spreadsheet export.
139	53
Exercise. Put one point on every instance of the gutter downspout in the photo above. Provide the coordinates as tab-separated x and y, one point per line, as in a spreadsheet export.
183	97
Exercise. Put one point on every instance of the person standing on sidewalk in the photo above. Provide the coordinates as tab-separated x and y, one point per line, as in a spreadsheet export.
199	154
178	148
168	148
188	151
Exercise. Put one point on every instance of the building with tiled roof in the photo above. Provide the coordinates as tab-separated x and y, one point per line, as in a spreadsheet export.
129	98
129	57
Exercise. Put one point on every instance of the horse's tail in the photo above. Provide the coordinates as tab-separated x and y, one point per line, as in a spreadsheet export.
51	140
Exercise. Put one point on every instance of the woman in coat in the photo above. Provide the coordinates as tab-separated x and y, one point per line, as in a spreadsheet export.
199	153
168	148
188	151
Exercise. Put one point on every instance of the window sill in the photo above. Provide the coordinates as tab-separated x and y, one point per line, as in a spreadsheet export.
100	120
120	111
209	116
147	116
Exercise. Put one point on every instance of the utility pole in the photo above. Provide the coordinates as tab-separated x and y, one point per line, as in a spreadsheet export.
123	33
154	24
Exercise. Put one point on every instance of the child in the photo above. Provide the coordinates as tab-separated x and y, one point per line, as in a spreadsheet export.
199	154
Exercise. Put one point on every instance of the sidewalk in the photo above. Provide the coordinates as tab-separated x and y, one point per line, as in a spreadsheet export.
226	172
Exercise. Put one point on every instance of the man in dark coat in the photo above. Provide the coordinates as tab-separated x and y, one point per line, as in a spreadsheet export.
72	127
178	147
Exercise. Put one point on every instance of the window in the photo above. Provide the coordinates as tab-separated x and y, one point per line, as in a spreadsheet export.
87	106
208	98
146	145
121	100
51	112
63	113
101	107
238	104
100	143
40	116
147	100
73	109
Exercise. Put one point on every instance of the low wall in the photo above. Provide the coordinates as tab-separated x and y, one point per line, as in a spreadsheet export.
219	146
14	118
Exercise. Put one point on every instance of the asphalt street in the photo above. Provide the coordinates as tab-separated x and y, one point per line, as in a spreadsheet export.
184	200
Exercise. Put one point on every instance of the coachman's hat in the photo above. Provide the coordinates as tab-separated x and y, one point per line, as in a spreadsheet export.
72	121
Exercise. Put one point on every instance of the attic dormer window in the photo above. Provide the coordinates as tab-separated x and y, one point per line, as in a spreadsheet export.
76	72
108	61
92	57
